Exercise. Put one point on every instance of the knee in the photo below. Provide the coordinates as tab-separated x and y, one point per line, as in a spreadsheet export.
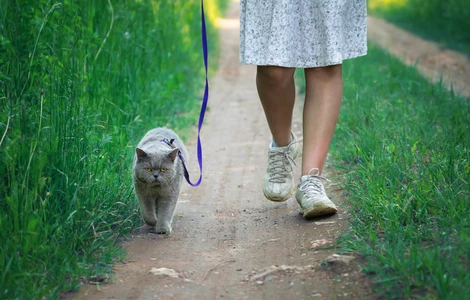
328	72
274	76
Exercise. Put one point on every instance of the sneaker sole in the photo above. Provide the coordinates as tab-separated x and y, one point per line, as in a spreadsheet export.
319	211
278	198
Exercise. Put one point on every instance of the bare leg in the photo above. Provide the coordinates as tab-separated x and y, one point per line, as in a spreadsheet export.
321	110
276	89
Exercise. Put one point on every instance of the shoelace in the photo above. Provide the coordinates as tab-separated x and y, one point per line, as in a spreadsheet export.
279	165
313	186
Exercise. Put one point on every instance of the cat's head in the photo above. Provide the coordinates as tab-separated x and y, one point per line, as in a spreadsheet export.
155	168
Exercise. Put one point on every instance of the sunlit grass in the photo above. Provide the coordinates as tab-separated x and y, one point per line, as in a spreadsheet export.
445	22
375	4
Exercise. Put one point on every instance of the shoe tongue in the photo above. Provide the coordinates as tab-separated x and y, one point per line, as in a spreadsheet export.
303	178
274	145
280	148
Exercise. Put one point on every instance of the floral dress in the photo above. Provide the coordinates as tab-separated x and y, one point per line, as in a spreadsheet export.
302	33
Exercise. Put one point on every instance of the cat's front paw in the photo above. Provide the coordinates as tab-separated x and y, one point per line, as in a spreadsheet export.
150	221
161	230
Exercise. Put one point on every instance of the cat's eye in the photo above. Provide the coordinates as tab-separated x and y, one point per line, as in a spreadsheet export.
148	169
163	170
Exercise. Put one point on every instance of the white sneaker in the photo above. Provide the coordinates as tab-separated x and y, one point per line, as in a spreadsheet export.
311	196
278	182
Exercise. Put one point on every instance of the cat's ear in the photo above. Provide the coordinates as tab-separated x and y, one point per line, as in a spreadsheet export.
141	154
172	155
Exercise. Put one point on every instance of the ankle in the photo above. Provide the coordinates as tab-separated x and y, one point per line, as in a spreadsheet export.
283	142
311	172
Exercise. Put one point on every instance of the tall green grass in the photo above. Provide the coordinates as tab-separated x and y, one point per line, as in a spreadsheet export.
446	22
403	147
80	83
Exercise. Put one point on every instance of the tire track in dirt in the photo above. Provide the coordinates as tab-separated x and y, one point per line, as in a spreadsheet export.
430	59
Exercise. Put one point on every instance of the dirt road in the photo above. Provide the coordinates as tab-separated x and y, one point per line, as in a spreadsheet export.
228	240
431	60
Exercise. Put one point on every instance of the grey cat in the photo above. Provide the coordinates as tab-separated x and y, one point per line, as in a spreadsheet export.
158	175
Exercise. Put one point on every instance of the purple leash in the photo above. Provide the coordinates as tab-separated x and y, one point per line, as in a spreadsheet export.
204	104
203	109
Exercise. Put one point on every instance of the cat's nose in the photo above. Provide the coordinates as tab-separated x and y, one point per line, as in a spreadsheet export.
156	176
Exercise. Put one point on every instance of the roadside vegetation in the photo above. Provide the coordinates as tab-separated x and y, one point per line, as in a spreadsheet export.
402	147
80	83
445	22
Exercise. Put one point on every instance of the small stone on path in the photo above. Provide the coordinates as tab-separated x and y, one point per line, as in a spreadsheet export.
319	243
340	258
165	272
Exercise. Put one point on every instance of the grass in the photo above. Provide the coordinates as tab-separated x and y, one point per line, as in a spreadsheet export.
80	83
403	147
446	22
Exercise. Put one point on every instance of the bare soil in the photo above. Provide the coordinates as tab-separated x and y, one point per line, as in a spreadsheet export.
228	241
431	60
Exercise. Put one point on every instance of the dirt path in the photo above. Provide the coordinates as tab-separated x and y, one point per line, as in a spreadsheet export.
228	240
430	59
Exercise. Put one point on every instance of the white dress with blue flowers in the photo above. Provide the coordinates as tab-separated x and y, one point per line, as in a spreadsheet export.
302	33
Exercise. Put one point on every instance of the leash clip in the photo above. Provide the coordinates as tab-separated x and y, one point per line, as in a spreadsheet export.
185	170
169	142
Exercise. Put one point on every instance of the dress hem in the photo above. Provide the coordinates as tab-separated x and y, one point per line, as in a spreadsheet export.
303	65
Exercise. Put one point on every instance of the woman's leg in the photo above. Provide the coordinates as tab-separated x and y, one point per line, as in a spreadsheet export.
276	90
321	110
324	87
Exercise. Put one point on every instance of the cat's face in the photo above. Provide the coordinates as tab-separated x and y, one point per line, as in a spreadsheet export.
155	168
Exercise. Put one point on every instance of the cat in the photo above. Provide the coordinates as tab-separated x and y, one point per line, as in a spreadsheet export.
158	175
